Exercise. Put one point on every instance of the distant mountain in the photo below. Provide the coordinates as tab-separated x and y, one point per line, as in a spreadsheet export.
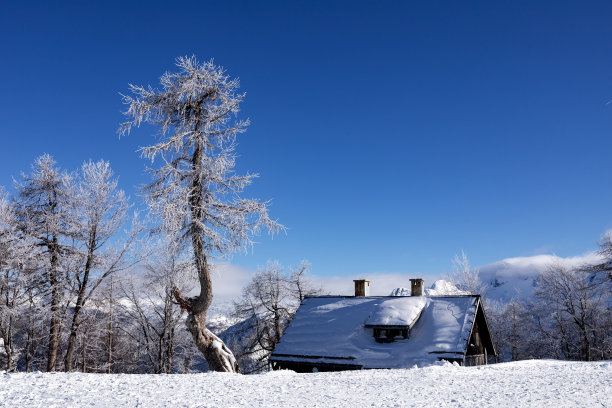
518	277
509	278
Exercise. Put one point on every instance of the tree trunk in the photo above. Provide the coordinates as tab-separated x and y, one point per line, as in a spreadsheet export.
168	334
29	352
159	367
110	328
84	363
170	351
77	310
277	328
216	353
55	308
72	339
218	356
586	342
7	337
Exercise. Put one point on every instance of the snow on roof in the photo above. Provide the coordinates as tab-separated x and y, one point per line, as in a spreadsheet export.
401	311
333	329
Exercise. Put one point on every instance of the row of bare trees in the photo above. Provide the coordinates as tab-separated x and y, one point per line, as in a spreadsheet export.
67	301
85	288
56	253
195	197
568	317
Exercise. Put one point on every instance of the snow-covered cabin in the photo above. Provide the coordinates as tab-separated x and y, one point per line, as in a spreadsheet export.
332	333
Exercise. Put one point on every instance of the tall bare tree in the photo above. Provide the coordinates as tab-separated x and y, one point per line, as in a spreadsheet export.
267	305
20	283
300	284
100	211
466	277
43	208
16	255
195	191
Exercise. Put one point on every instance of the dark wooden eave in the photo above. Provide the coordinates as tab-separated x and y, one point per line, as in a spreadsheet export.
311	357
480	320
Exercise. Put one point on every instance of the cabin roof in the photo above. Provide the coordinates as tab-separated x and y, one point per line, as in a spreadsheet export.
335	330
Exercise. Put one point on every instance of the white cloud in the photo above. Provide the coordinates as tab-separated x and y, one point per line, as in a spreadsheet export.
534	265
228	281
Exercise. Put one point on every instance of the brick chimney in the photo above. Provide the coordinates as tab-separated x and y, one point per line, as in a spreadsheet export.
416	287
362	287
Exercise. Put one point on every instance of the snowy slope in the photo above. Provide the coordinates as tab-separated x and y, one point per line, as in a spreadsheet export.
527	383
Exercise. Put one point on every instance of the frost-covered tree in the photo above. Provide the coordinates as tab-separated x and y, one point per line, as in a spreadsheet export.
43	209
574	312
33	331
195	191
300	284
267	305
16	255
151	315
20	316
99	213
513	328
465	277
605	250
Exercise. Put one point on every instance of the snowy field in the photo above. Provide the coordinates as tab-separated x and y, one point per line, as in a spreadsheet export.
521	384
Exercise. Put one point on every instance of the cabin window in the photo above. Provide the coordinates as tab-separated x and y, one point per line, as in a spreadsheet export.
388	335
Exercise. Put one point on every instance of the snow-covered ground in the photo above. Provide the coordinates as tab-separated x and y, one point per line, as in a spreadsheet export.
543	383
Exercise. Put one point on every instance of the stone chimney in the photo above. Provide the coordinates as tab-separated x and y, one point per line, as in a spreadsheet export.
362	287
416	287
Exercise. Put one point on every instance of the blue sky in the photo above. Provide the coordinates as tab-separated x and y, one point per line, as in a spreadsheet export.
389	135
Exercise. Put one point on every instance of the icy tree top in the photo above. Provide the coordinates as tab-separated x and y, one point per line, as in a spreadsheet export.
195	191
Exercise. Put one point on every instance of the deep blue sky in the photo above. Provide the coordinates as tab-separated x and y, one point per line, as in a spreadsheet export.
389	135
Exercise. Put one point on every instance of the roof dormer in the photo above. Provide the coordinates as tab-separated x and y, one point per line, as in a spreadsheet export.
392	319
